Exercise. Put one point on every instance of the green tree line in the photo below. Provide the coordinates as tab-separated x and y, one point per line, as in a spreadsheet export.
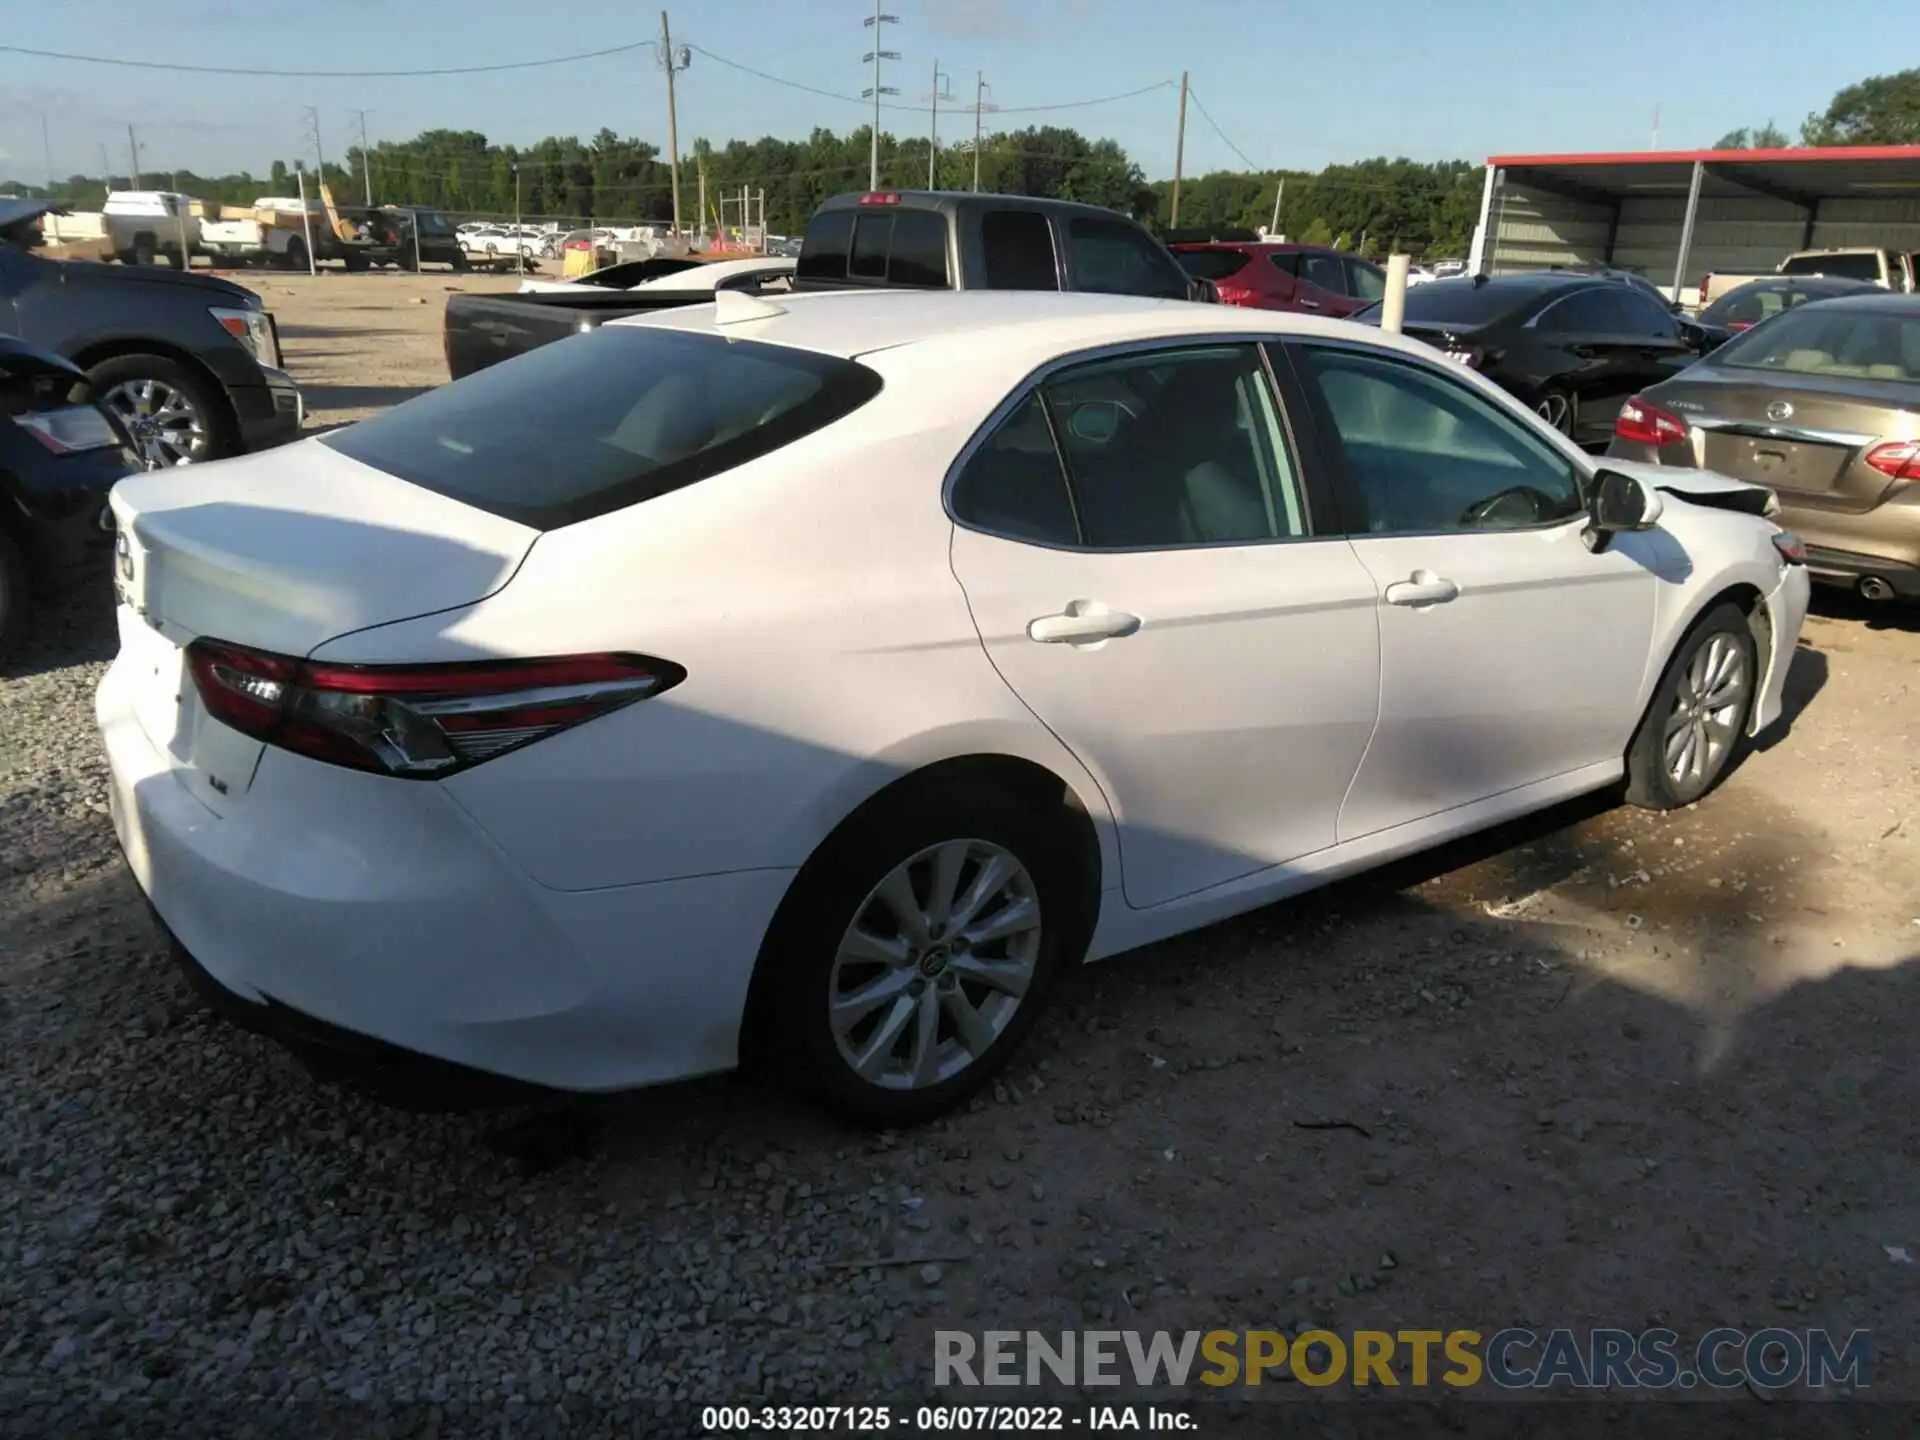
612	178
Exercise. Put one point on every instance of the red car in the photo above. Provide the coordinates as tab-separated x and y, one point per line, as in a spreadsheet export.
1265	276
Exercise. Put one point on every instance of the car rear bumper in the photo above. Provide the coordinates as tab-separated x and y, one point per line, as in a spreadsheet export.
1848	568
368	924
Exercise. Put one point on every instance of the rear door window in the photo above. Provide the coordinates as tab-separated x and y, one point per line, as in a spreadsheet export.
823	253
1111	257
1287	262
872	238
605	420
1849	267
1019	250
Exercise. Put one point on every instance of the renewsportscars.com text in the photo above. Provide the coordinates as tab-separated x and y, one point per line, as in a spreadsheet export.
1511	1359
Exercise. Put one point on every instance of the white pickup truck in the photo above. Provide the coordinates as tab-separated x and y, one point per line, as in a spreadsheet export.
268	234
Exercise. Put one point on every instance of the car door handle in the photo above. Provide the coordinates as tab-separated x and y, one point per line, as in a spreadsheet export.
1083	622
1424	588
1306	304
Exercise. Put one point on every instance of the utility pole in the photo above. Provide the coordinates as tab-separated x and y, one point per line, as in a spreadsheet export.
980	88
319	160
366	161
519	240
673	60
46	143
876	90
1279	195
700	165
938	94
133	154
1179	152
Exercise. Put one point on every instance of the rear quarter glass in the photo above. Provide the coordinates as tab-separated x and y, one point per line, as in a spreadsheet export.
605	420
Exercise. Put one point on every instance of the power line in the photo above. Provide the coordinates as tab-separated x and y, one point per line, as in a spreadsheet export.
1194	96
866	102
324	74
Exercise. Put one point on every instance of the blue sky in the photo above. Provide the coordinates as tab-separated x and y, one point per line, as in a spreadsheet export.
1290	82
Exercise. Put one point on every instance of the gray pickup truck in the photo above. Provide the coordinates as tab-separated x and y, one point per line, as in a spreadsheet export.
190	363
900	239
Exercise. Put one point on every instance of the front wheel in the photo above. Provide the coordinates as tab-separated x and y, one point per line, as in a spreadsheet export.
917	951
176	416
1556	407
1697	720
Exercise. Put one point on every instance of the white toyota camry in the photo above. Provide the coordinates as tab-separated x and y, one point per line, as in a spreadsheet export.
815	679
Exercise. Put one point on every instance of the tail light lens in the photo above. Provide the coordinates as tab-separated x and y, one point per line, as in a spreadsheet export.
1646	424
1235	294
1792	548
416	721
1897	459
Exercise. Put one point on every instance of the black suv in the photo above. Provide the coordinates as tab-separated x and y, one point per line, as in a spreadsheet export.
945	240
189	363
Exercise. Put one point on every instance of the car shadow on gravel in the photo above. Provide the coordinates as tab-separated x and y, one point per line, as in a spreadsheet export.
75	627
1835	603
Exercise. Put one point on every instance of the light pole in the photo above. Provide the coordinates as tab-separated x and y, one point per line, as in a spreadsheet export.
876	90
940	79
980	108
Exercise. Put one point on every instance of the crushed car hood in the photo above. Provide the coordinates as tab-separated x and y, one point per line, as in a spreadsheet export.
1701	487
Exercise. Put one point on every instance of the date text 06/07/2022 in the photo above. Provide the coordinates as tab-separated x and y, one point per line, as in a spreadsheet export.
943	1419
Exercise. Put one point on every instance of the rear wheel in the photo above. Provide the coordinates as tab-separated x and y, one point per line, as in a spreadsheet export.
14	601
144	251
1697	720
296	254
917	951
176	417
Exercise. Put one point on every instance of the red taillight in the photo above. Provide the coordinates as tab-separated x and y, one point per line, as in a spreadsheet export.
1897	459
880	199
1236	294
1792	549
1739	324
1646	424
417	721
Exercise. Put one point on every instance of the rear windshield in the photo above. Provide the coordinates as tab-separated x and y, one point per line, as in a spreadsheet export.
1211	264
1850	267
878	246
1833	339
605	420
1459	302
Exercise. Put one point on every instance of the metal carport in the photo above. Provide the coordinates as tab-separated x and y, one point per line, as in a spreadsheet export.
1675	215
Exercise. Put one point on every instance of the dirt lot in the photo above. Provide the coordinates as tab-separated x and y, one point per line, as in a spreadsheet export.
1604	1069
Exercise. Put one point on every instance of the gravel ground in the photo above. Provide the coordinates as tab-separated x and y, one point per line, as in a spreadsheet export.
1604	1068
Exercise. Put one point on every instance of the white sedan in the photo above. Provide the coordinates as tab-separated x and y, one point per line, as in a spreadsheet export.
815	679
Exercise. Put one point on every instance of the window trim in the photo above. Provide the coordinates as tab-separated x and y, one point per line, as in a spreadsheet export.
1317	497
1333	455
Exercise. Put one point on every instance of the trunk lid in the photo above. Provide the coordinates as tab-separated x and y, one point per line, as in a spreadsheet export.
1802	435
282	552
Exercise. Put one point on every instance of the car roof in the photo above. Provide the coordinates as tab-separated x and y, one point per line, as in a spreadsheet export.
1021	325
1272	246
1526	282
949	201
1873	299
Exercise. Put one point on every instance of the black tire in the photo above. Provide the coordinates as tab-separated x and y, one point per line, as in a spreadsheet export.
296	254
179	259
791	1028
1674	717
355	263
15	599
144	250
209	404
461	263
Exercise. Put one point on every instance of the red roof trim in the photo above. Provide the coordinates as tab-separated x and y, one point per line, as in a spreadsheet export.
1688	157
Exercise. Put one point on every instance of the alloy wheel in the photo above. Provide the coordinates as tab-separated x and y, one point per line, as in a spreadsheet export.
165	424
1703	725
937	959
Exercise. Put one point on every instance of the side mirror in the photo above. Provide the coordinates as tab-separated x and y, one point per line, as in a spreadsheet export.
1695	337
1619	502
1203	292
